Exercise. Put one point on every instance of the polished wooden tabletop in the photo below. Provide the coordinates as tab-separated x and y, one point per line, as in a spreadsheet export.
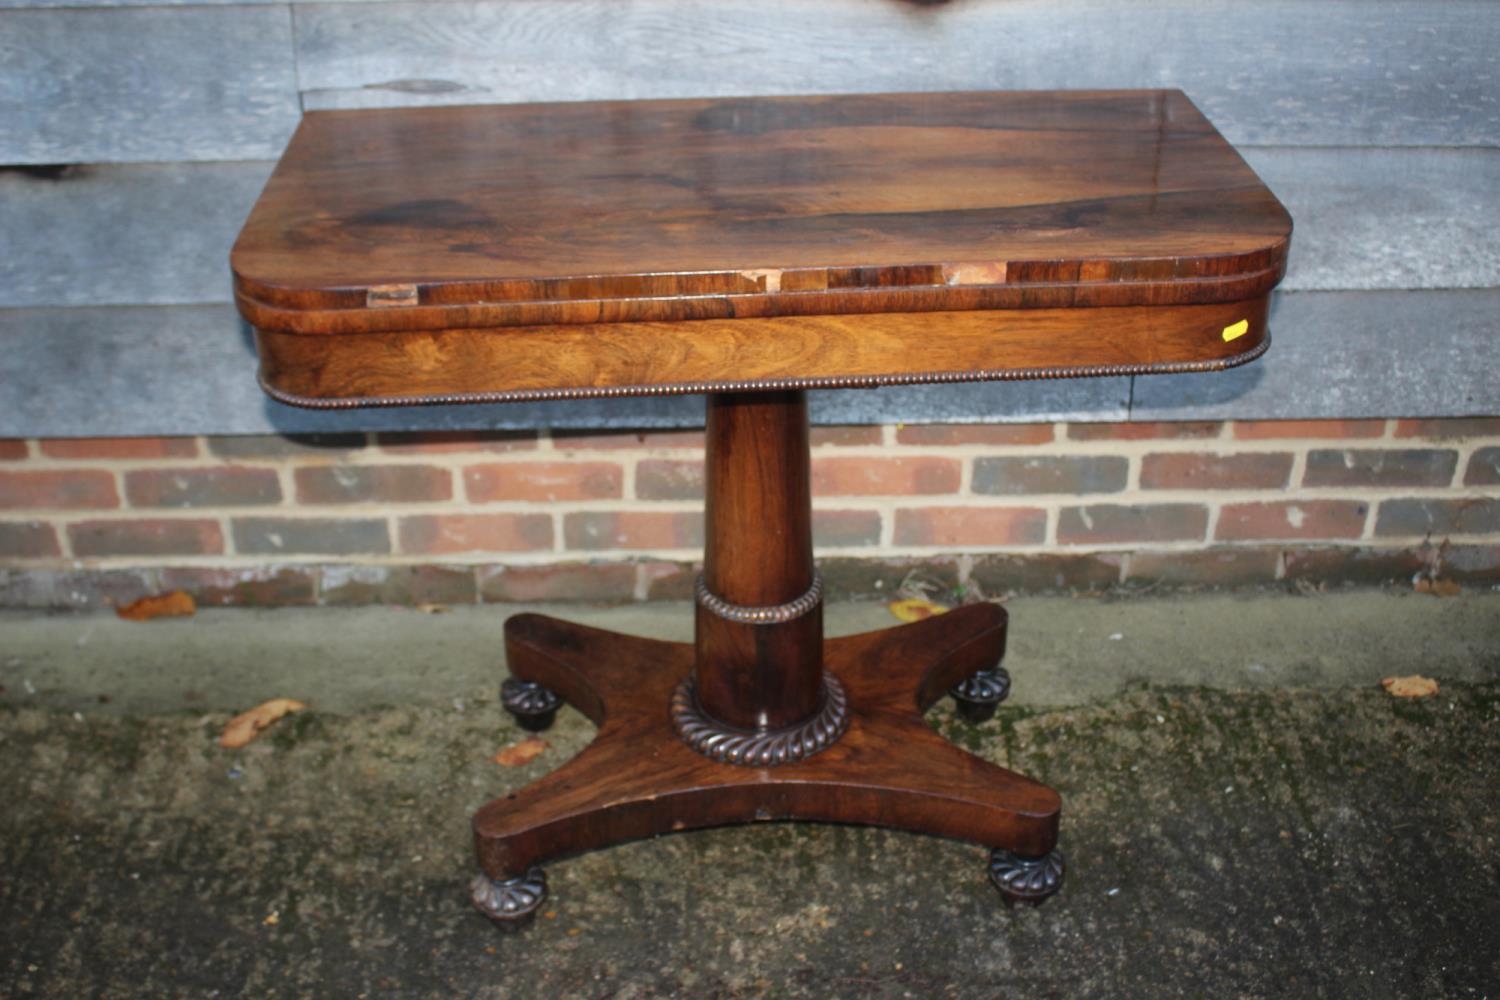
518	251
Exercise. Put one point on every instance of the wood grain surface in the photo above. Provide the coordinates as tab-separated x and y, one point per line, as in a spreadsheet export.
758	552
482	251
623	359
638	778
667	201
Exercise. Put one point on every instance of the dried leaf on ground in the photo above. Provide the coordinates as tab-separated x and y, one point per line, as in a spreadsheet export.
246	726
520	753
174	605
1437	588
1414	686
915	609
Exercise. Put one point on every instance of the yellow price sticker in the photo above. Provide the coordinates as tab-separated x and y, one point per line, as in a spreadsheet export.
1235	331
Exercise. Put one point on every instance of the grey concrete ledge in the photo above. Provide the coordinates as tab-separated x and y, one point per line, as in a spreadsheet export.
185	370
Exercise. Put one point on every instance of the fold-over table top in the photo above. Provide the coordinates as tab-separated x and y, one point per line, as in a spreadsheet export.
771	229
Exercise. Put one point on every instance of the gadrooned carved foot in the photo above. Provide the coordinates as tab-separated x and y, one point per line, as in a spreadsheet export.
533	706
1026	880
510	903
979	694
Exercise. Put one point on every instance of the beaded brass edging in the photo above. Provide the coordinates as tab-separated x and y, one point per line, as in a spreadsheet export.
769	384
763	614
767	748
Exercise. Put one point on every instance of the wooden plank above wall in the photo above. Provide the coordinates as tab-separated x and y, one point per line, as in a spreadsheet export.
86	83
1282	72
141	84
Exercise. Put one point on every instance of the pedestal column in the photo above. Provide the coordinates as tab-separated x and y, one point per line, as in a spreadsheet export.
759	625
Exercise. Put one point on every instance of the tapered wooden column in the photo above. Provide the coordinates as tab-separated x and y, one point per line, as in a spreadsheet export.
759	626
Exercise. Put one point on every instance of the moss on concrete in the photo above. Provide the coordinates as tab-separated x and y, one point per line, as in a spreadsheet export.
1293	842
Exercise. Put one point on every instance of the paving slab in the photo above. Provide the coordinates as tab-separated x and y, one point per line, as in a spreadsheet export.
1063	650
1292	831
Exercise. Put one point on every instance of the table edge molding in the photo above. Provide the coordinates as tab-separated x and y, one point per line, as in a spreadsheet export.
772	384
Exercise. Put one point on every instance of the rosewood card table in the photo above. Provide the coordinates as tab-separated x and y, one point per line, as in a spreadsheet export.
750	250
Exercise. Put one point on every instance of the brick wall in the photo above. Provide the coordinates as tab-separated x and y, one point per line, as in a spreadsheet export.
617	516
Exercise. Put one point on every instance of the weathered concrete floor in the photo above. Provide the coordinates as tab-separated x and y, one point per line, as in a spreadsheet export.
1247	814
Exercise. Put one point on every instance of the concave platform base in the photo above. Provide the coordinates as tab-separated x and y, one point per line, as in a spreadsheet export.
638	778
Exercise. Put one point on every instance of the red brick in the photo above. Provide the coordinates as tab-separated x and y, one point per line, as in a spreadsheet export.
669	479
13	449
596	582
1484	468
544	481
1223	567
1279	430
75	489
140	447
1068	474
986	434
845	528
848	436
76	590
257	586
450	533
595	441
1203	471
146	537
329	447
671	581
1380	467
998	573
1457	516
1292	519
27	540
1472	563
915	475
846	577
1103	524
1353	564
1145	430
373	484
228	485
405	586
447	442
339	536
971	526
596	530
1449	428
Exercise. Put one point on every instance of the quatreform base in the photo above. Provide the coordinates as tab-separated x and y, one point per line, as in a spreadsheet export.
639	778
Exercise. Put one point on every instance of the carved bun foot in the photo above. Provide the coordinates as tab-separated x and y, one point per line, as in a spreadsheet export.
1026	880
510	903
979	694
533	706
